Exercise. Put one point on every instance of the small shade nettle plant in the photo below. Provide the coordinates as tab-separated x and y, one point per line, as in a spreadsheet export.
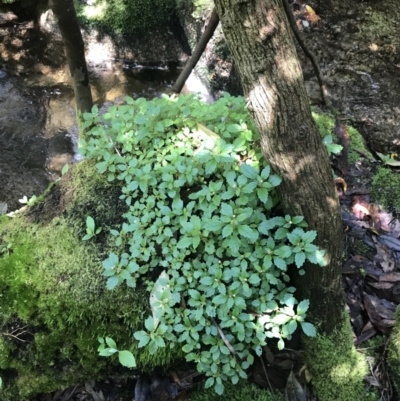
203	218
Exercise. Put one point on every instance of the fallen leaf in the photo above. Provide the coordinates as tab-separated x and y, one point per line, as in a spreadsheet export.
311	15
293	390
383	255
380	312
158	287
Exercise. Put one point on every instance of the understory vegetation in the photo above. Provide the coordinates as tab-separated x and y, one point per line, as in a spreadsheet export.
166	243
187	209
203	230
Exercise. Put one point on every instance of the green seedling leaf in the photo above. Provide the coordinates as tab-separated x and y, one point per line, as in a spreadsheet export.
387	159
111	343
90	224
65	169
127	359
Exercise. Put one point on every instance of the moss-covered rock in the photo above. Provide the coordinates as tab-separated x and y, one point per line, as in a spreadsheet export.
394	354
54	299
326	126
385	188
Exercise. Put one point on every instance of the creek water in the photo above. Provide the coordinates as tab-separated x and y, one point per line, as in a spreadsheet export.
38	131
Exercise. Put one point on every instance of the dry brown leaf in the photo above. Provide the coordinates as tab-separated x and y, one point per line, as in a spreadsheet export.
380	312
311	15
340	183
383	256
269	354
293	390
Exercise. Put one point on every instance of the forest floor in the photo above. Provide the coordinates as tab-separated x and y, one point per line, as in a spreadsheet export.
371	283
371	267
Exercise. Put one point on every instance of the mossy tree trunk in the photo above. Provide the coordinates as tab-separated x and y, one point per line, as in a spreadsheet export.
261	41
65	13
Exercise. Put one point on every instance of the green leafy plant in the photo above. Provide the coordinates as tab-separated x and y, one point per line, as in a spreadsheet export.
332	148
204	232
91	230
108	347
30	202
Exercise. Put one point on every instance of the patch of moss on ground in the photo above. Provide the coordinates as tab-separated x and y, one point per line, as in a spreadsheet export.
125	17
385	188
242	391
326	126
52	290
336	367
394	354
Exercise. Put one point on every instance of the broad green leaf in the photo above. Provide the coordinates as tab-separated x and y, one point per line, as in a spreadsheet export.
262	194
309	236
299	259
142	337
308	329
111	343
281	319
213	225
107	352
249	171
233	128
265	172
185	242
280	263
274	180
248	232
150	323
297	219
226	210
303	306
227	231
112	282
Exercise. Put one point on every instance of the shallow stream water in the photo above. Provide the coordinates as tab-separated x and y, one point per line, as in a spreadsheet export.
38	131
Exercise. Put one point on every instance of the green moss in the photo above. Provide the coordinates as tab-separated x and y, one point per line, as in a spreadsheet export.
337	368
394	353
52	289
326	126
385	188
126	17
243	391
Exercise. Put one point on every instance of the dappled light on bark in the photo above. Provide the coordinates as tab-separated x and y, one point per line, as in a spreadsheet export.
260	39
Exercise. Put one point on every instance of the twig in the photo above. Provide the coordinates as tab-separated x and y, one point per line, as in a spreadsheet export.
225	340
266	376
307	52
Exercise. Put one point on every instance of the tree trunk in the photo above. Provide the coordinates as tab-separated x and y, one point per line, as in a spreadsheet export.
198	51
260	39
259	36
64	11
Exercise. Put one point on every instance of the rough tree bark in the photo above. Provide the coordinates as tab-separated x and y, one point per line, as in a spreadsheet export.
259	37
64	11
